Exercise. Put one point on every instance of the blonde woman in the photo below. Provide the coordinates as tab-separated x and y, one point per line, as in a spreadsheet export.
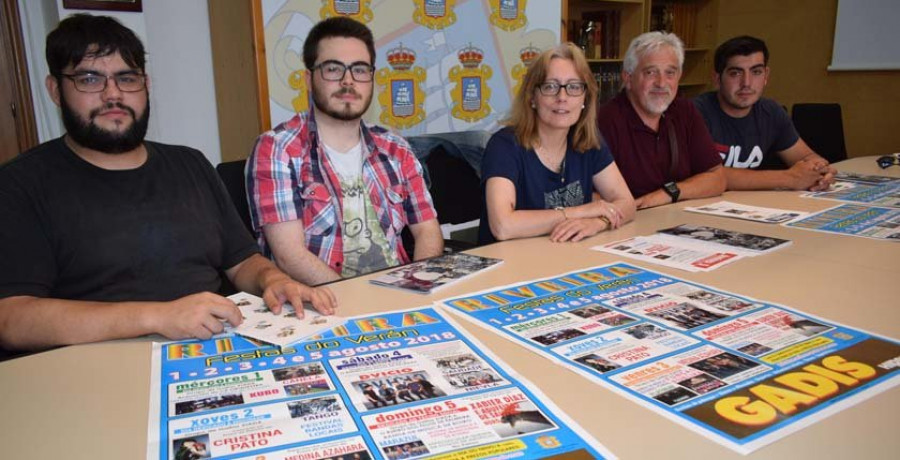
548	171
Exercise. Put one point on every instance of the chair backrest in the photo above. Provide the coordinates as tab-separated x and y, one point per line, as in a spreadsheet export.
232	174
455	188
822	128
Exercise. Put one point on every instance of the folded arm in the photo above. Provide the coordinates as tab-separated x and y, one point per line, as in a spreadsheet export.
611	200
615	205
802	156
807	171
705	184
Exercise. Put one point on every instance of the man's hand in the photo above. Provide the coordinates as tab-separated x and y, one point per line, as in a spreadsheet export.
577	229
197	316
827	179
285	289
806	174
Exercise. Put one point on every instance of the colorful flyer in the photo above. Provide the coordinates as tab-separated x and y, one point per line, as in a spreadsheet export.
407	384
862	189
747	212
854	220
742	372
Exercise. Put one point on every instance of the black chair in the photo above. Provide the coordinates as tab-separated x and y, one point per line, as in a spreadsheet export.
456	193
822	128
232	174
455	188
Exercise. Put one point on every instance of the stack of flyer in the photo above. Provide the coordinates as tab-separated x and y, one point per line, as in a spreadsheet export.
747	212
282	330
426	276
694	248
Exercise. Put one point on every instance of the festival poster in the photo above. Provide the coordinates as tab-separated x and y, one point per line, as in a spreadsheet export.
741	371
862	190
854	220
407	384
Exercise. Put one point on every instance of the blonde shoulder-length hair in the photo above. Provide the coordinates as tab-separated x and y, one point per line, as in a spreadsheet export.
523	118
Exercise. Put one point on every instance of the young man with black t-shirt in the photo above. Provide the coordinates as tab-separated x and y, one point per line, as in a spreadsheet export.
754	135
108	236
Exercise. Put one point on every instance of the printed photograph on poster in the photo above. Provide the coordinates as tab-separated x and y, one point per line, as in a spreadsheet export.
405	450
213	402
597	363
314	406
193	448
414	386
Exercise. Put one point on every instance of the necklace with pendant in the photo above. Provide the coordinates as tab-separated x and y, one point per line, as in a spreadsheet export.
562	163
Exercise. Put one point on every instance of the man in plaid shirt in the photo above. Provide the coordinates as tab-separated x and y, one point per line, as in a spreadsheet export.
329	195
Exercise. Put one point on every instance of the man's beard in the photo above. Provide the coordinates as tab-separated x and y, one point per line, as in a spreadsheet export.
88	134
657	104
321	101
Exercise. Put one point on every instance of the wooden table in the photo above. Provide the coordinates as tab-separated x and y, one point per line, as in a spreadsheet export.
91	401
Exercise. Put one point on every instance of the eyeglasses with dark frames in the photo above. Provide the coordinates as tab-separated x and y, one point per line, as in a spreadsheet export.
335	71
89	82
552	88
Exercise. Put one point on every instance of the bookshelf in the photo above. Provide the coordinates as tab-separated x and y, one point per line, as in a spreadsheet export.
604	28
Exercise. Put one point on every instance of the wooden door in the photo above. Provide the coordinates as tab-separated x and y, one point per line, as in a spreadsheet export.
17	128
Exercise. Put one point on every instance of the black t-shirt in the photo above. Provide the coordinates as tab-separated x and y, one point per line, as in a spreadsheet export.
71	230
752	141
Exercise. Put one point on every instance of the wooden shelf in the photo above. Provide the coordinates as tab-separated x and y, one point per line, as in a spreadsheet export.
697	18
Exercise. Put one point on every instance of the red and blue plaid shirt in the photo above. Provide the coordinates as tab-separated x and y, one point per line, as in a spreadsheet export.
289	177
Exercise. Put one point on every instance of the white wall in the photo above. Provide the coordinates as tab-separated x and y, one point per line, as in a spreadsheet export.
183	88
38	18
179	61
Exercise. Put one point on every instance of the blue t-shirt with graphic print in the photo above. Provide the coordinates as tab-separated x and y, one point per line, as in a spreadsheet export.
536	186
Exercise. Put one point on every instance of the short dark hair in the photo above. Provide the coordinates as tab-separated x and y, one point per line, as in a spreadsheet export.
337	26
83	35
744	45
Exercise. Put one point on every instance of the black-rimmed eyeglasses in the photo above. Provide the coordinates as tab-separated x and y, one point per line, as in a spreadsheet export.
335	71
573	88
88	82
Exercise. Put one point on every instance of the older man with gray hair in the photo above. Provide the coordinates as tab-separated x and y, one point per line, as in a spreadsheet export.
660	142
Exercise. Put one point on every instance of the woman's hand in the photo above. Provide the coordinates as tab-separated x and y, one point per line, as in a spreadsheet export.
578	229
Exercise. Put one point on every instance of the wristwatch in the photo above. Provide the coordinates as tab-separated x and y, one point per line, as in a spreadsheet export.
671	188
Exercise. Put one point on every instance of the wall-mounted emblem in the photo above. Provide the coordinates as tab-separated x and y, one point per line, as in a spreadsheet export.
434	14
471	94
400	89
354	9
508	14
527	55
